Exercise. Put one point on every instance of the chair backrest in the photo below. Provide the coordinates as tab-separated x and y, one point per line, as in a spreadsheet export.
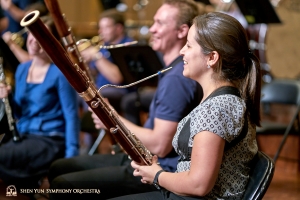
283	91
260	177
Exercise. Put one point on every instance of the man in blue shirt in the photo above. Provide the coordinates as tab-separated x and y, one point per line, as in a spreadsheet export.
102	68
111	32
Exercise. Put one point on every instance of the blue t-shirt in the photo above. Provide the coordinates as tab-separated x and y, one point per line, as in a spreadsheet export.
176	96
49	108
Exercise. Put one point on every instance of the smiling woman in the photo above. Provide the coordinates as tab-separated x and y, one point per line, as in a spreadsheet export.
216	140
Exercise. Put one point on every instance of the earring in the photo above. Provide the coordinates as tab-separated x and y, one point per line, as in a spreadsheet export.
208	66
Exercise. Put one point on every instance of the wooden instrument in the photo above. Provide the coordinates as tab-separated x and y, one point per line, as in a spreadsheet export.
67	37
84	86
8	110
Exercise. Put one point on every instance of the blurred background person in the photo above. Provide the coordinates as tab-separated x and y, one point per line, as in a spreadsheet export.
15	40
14	10
46	110
111	32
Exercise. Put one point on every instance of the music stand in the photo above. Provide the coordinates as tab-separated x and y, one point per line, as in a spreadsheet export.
258	11
136	63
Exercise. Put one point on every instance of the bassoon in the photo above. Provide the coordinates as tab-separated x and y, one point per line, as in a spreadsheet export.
84	86
66	35
11	121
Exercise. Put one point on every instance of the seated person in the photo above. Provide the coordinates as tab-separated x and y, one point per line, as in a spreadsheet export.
46	110
111	32
217	140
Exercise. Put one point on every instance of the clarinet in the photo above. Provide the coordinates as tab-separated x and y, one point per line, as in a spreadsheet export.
85	88
66	35
8	110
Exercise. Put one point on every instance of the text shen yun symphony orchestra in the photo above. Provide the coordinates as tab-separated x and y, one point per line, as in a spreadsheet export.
66	191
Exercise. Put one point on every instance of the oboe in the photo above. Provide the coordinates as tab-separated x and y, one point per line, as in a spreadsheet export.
8	110
82	84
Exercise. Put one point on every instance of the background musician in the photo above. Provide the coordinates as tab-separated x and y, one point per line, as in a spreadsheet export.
111	32
15	10
14	40
46	108
176	96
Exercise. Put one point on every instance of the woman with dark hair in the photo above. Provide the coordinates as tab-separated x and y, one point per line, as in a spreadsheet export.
46	109
217	140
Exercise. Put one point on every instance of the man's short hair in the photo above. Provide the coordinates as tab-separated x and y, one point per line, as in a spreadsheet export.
188	10
113	14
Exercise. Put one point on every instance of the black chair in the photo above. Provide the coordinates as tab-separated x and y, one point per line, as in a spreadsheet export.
261	174
284	92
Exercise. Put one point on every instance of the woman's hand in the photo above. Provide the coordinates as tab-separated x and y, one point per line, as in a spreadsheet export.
4	90
146	172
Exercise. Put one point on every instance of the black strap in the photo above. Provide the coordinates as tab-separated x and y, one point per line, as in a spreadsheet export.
224	90
183	139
